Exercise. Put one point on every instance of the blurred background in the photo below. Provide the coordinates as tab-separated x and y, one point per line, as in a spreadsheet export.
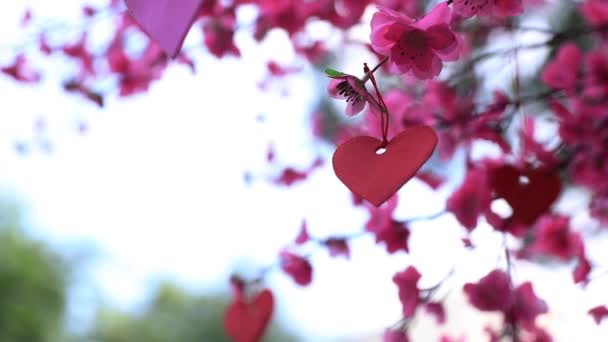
125	222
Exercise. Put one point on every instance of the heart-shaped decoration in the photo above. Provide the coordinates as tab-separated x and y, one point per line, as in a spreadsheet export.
247	321
166	22
376	176
529	192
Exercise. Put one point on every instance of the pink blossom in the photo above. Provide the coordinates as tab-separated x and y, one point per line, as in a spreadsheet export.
411	8
219	35
337	247
352	89
416	47
462	123
595	11
387	230
395	235
471	199
21	71
79	52
497	8
297	267
291	176
562	72
409	294
491	293
433	180
554	237
303	236
436	309
394	336
526	306
582	270
599	313
382	216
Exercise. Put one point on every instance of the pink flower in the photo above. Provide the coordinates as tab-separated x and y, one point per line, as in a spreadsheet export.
494	293
352	89
582	270
395	336
599	313
218	33
471	199
337	247
497	8
412	8
290	176
395	235
491	293
409	294
595	11
303	236
297	267
419	46
436	309
562	72
554	237
21	71
526	305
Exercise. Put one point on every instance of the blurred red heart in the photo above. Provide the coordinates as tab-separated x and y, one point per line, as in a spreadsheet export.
166	22
529	192
377	176
246	322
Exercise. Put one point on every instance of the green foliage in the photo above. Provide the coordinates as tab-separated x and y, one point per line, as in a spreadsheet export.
173	315
334	73
32	284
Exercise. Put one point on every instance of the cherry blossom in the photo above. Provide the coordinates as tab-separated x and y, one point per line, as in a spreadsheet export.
419	46
409	294
498	8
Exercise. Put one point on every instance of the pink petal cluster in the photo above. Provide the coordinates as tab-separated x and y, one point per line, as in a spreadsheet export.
497	8
599	313
563	71
595	11
351	89
472	199
297	267
395	336
554	237
386	229
463	123
409	294
494	292
416	47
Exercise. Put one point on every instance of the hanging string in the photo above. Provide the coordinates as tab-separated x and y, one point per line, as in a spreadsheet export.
384	115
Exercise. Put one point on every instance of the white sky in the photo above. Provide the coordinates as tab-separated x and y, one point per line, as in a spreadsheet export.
159	191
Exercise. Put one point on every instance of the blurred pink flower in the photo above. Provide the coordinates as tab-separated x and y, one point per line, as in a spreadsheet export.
409	294
497	8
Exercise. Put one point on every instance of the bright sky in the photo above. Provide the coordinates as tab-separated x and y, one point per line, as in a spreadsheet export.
156	186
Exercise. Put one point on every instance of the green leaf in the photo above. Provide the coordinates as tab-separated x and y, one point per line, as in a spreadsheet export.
334	73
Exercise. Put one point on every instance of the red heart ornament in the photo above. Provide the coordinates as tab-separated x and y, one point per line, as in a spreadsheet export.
246	322
376	177
529	192
166	22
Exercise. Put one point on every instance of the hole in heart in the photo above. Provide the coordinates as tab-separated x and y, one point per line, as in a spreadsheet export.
381	150
501	208
523	180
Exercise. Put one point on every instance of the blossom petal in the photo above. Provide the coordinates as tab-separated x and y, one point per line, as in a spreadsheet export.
440	14
354	108
332	88
427	66
443	41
